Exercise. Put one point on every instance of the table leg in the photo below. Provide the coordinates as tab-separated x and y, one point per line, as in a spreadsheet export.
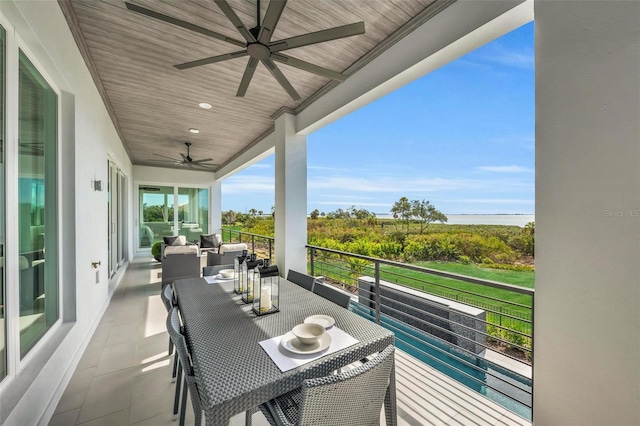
390	408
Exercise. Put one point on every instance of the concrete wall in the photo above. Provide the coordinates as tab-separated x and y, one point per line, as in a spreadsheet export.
459	324
587	307
87	138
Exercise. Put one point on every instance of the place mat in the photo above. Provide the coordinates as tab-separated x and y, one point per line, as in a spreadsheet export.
212	279
286	360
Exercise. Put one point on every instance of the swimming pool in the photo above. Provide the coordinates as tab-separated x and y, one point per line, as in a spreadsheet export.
503	386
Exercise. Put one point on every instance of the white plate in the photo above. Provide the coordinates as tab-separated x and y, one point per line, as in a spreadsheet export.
221	278
292	344
324	320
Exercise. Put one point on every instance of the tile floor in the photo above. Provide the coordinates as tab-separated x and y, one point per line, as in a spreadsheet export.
124	375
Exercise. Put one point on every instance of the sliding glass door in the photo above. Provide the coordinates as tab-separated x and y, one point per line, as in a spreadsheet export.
156	214
193	212
37	197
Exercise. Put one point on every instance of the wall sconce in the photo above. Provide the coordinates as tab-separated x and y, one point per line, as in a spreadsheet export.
97	185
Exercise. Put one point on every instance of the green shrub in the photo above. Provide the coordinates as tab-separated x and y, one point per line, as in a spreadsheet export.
156	250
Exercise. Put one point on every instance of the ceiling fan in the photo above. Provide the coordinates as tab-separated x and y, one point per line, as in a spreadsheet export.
187	160
258	45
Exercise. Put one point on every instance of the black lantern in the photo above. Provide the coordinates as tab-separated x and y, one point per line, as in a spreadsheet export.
238	268
250	266
266	289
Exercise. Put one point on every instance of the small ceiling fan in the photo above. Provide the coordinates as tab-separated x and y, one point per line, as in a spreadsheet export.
187	160
258	45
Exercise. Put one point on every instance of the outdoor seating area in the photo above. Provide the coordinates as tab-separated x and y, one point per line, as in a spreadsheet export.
124	377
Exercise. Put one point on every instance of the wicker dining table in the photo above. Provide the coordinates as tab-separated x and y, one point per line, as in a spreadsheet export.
234	374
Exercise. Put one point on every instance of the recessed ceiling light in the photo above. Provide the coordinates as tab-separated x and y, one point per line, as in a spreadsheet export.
192	130
204	105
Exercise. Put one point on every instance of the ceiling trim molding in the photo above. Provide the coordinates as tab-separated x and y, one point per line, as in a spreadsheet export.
281	111
429	12
72	20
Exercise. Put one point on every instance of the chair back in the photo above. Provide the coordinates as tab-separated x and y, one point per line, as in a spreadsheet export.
209	271
167	297
175	333
333	294
303	280
357	393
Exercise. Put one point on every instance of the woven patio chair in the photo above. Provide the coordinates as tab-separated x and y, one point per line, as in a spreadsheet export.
186	369
209	271
336	296
352	398
303	280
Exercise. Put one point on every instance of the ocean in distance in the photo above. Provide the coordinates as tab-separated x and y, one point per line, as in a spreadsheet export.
483	219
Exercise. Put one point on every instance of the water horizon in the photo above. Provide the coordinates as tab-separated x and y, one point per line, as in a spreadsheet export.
518	219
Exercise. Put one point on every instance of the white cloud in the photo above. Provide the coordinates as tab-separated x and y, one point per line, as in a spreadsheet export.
357	204
493	201
504	169
407	186
248	184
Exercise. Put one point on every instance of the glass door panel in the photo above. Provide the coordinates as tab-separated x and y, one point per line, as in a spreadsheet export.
156	214
37	197
193	212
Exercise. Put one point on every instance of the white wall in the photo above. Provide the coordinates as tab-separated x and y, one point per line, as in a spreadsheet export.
587	307
89	137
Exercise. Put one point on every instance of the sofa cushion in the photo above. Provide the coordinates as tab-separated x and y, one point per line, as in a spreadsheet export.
225	248
175	240
186	249
210	241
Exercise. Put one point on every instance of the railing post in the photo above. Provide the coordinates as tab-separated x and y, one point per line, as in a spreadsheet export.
377	288
270	255
312	266
253	244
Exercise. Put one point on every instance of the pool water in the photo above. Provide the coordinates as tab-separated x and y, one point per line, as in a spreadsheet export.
503	386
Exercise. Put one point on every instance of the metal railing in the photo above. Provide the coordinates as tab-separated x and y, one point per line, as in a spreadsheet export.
261	245
449	322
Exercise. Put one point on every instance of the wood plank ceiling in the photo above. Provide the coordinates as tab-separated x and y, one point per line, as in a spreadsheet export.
153	104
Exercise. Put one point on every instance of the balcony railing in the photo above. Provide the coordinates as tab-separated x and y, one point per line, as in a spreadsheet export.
261	245
477	331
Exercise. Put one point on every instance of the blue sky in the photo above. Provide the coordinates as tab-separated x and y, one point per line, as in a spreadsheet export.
461	137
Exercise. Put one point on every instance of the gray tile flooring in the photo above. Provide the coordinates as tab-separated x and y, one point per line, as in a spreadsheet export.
124	376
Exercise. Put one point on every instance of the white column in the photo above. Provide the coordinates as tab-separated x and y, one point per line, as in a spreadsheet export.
587	302
215	207
291	196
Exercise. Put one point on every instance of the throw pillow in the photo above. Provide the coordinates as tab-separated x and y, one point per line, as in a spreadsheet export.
217	240
170	241
207	241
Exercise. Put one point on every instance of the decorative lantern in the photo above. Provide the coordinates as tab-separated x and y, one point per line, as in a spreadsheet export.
266	289
250	265
238	268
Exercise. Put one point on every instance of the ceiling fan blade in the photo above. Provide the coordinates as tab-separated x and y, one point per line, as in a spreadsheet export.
231	15
308	67
247	76
271	19
184	158
180	23
164	156
318	37
212	60
206	166
165	161
201	161
277	74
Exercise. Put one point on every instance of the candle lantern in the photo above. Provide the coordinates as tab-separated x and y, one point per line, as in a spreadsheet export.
239	267
266	289
250	264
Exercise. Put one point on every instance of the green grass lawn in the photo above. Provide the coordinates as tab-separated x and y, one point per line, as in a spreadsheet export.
519	278
481	296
